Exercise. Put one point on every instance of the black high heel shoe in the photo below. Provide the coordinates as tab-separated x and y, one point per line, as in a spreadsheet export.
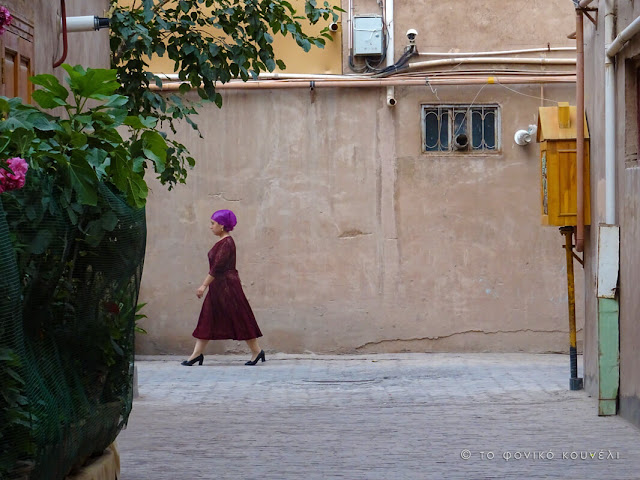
199	359
259	357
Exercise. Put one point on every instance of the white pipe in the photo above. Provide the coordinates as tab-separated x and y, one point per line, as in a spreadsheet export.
350	27
388	15
502	52
609	119
505	60
621	40
87	23
585	3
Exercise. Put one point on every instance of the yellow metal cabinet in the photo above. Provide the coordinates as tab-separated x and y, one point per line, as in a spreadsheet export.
558	166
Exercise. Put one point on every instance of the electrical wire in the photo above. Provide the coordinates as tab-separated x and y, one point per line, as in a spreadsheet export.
526	95
469	108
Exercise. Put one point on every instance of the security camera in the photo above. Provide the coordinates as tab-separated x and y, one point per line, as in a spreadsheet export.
412	33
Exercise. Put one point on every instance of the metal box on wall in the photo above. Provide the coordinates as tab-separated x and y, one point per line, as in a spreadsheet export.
558	166
367	35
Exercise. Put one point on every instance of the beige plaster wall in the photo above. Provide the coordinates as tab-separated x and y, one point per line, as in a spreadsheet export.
352	240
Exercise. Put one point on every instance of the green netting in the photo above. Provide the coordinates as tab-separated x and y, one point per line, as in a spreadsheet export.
67	310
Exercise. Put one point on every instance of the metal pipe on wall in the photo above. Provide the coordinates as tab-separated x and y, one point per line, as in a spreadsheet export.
502	52
282	76
505	60
365	83
580	130
623	37
609	118
65	45
388	14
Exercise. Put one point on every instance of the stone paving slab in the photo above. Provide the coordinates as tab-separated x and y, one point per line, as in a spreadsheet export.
388	416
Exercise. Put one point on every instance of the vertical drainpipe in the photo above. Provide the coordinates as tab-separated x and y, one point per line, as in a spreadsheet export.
610	120
388	15
580	129
608	251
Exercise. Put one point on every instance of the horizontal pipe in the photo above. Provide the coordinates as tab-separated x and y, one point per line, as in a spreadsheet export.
503	52
505	60
366	83
621	40
313	76
174	77
585	3
283	76
486	72
86	23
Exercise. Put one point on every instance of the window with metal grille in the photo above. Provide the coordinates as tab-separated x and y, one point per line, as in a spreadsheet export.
460	128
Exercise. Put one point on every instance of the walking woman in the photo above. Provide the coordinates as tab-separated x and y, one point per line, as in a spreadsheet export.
226	313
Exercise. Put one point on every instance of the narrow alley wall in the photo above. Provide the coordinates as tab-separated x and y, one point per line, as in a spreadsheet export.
627	182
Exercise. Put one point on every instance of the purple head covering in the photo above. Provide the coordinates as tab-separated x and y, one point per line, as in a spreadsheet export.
226	218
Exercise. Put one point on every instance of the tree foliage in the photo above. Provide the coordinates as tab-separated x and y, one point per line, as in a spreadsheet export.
65	235
209	41
84	147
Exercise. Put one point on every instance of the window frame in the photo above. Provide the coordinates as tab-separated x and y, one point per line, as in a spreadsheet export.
453	110
632	112
17	42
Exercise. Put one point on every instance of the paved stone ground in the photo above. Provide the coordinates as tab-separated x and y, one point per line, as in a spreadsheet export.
391	416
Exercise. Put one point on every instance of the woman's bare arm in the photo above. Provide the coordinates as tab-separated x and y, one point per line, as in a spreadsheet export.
203	287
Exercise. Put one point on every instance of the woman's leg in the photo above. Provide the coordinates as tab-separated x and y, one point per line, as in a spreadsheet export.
201	344
255	348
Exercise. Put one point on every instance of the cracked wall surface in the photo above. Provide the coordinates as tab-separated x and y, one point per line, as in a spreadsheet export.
349	237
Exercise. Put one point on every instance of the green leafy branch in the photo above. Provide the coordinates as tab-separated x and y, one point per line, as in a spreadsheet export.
209	42
85	147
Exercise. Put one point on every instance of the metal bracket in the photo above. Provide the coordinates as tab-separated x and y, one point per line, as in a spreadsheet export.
312	91
594	21
586	11
580	260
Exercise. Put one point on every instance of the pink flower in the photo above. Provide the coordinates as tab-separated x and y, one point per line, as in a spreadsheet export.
15	180
5	18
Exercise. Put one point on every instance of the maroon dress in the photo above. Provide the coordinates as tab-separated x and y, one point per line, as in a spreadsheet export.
226	313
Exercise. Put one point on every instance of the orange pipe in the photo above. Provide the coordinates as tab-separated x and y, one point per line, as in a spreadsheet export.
366	83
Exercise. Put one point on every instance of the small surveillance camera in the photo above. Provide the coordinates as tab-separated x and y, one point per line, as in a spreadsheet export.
412	33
